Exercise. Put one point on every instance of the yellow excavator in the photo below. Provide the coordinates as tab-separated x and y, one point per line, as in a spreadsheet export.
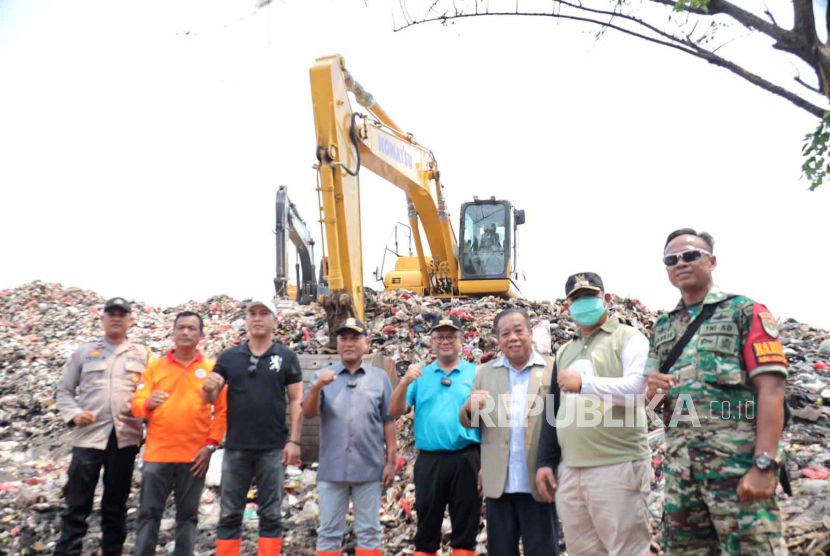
482	263
290	226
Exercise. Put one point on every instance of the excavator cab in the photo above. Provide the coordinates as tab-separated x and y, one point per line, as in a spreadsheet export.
488	246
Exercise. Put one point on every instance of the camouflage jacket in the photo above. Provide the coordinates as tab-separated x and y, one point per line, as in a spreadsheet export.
710	411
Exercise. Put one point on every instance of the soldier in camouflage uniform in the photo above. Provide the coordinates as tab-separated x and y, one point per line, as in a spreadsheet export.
724	410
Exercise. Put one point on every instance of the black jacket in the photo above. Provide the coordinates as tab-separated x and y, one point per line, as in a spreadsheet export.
550	454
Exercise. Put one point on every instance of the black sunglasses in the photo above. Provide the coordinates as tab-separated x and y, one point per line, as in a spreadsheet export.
254	361
688	256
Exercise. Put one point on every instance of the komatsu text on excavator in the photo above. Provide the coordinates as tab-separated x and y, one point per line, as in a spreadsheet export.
482	263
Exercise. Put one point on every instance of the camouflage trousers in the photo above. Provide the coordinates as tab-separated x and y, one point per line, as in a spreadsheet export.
705	517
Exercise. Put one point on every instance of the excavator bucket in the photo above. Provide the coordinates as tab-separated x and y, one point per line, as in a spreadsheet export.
338	307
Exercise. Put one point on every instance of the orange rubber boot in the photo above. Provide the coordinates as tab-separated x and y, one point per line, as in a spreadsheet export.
228	547
329	553
269	546
367	552
463	552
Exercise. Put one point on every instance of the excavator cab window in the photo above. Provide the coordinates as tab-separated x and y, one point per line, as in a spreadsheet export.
486	240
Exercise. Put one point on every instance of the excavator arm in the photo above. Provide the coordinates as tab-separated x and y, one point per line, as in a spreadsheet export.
290	226
346	142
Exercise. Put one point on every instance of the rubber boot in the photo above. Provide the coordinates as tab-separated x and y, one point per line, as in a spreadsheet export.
329	553
367	552
269	546
463	552
228	547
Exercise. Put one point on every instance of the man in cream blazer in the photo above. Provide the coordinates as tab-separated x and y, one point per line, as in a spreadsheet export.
507	404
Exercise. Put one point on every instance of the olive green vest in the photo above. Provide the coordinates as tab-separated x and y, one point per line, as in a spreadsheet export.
593	432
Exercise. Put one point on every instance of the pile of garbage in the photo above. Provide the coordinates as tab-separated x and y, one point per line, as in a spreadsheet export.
41	325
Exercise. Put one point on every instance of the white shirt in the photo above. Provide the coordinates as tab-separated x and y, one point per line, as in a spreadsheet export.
634	356
518	383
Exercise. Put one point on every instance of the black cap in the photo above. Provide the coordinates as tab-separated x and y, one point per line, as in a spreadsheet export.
446	322
351	324
118	303
583	281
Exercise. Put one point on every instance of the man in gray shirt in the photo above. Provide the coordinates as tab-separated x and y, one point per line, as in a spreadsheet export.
94	397
357	443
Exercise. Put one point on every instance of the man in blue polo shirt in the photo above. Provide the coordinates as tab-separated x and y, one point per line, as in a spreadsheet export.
448	463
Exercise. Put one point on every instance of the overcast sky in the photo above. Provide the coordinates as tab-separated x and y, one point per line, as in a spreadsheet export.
143	143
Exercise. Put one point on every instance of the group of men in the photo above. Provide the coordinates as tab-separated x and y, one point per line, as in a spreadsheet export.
530	437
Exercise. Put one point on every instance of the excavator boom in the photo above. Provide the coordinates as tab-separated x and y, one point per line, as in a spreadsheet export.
348	141
291	226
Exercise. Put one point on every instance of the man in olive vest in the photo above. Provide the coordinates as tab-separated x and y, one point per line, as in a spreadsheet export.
600	431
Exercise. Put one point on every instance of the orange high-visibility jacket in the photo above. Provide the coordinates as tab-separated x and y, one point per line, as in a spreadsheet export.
183	424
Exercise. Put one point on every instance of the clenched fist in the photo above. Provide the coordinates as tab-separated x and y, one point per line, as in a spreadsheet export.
477	400
546	483
570	381
213	383
658	384
756	485
326	377
413	373
84	419
157	398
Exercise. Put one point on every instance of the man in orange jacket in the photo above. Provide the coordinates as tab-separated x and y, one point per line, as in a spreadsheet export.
181	436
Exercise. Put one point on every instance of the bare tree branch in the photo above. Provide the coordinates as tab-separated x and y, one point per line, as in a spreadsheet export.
462	15
680	33
733	39
745	18
759	81
627	17
663	39
798	80
769	14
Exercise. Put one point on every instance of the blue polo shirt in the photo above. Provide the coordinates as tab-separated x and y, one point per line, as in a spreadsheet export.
436	408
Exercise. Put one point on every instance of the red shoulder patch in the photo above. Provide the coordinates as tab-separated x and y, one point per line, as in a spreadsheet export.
762	345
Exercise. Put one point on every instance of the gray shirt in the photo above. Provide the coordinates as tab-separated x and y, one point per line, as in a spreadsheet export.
102	378
351	425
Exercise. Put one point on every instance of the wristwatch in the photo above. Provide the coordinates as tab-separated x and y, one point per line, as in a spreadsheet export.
764	462
211	447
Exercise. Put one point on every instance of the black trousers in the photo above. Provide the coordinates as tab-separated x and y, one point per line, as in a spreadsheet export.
158	480
447	478
515	516
79	493
239	467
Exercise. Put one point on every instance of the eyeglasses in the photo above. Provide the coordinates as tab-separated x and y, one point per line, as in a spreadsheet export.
447	339
254	361
688	256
